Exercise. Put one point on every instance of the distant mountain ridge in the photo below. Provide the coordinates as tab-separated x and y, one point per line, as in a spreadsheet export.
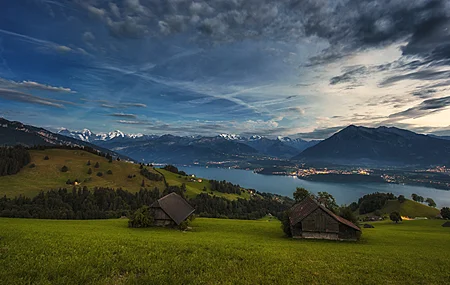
196	148
382	146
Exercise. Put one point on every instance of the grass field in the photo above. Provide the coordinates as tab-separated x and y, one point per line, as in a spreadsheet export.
218	252
47	173
408	208
194	188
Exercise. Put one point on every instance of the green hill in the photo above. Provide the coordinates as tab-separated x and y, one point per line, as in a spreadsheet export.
217	251
195	186
47	174
408	208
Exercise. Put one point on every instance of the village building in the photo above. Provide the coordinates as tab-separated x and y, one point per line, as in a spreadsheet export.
311	220
170	210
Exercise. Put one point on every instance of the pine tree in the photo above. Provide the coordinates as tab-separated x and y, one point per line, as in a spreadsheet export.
89	171
89	162
64	169
97	165
143	183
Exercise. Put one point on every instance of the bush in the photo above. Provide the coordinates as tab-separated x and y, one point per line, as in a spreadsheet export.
445	213
89	171
401	198
88	163
46	157
109	172
347	213
286	224
142	218
97	165
183	225
64	169
99	174
32	165
395	217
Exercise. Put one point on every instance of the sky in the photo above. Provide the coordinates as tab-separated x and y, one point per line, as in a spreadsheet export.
299	68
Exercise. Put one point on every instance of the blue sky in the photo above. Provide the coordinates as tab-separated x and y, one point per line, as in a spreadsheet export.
289	67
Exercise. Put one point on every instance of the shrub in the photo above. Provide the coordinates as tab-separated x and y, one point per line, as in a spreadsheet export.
183	225
32	165
445	213
88	163
64	169
46	157
286	224
89	171
401	198
142	218
347	213
97	165
99	174
395	217
109	172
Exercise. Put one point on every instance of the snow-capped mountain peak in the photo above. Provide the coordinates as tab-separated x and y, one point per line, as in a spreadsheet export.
231	137
284	139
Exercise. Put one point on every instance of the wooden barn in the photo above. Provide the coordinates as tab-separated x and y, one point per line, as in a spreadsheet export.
171	210
311	220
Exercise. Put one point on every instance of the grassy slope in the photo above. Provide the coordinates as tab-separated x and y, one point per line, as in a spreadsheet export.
47	175
195	188
408	208
411	209
217	252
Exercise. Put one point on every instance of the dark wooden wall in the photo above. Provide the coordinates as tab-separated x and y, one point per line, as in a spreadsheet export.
320	221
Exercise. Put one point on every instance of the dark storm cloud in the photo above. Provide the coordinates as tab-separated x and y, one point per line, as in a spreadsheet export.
424	108
350	75
418	75
14	95
425	94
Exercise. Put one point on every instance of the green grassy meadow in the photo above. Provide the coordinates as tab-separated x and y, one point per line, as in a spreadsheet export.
218	251
47	173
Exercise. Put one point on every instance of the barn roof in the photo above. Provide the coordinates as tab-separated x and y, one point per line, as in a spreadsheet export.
309	205
175	206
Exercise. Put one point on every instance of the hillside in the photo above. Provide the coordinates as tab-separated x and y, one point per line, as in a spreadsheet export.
408	208
378	147
194	187
217	251
47	174
15	133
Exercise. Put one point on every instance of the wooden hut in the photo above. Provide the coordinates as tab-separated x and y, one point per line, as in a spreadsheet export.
170	210
311	220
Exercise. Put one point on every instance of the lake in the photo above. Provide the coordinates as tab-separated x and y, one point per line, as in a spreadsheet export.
344	193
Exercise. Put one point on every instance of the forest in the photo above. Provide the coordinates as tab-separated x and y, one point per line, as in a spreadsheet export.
225	187
12	159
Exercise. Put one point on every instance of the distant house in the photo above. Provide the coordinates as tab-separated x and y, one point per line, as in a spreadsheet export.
311	220
171	210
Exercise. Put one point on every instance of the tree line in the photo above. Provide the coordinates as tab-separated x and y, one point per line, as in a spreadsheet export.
13	159
103	203
225	187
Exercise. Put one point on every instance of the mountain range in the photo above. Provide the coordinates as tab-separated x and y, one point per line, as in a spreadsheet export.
352	146
192	149
381	147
